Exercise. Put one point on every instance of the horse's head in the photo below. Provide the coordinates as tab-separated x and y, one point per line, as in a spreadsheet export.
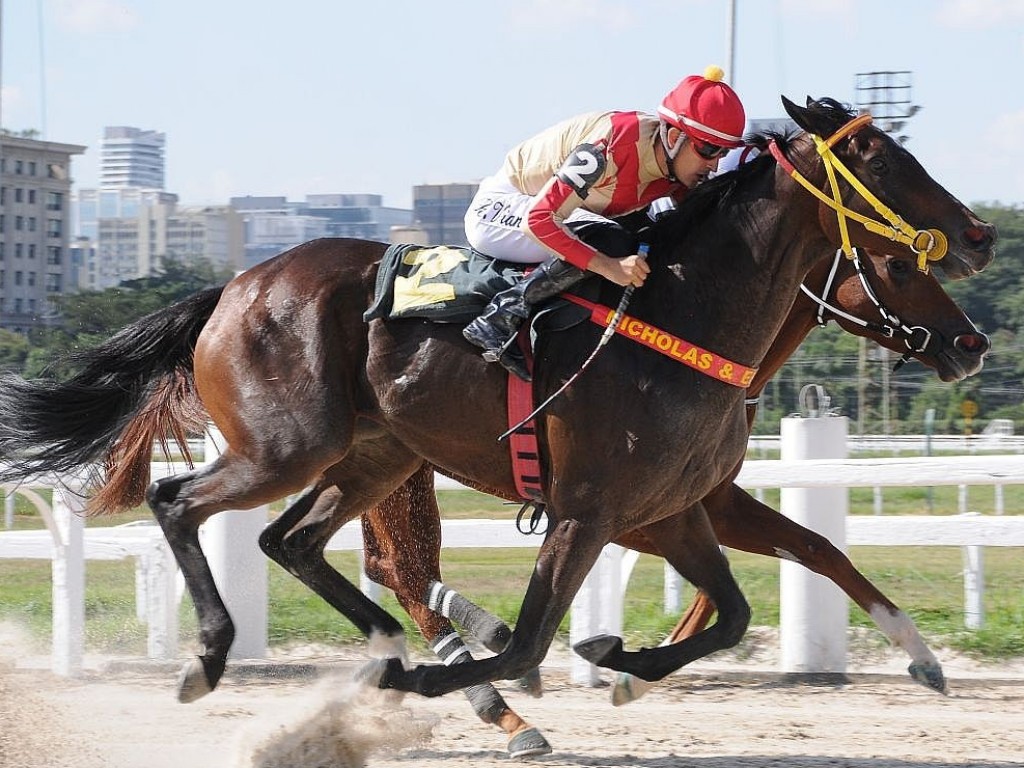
886	298
892	197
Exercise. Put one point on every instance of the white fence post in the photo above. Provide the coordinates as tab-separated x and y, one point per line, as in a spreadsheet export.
230	542
974	586
68	567
371	589
161	608
8	508
672	593
596	610
813	614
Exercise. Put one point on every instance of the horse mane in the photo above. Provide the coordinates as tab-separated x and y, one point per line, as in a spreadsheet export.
718	192
714	194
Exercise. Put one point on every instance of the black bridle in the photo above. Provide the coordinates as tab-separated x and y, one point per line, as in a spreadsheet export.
917	338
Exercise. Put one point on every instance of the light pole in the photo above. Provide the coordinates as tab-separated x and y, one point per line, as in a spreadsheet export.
730	44
886	96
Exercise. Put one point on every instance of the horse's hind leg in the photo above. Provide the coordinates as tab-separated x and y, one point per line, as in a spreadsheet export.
689	544
298	538
491	631
401	546
181	504
570	549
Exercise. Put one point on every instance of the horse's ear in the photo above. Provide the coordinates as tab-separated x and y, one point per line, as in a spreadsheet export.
811	120
799	114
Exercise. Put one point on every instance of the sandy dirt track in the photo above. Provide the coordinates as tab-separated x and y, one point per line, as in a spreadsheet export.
123	714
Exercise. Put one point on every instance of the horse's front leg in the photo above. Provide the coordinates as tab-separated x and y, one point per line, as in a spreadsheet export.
742	522
689	544
569	551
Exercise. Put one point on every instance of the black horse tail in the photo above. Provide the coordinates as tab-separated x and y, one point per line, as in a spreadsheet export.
136	388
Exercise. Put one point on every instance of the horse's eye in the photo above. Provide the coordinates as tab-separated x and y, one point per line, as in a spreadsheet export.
899	266
878	166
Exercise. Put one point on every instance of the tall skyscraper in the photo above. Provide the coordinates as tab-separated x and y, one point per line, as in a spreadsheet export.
131	158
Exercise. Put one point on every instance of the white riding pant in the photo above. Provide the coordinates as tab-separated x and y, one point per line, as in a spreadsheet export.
494	223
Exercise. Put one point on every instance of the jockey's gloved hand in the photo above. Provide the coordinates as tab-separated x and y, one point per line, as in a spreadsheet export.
660	208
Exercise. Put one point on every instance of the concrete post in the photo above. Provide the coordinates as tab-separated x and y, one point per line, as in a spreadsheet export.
974	586
596	610
814	612
672	593
161	600
68	583
230	542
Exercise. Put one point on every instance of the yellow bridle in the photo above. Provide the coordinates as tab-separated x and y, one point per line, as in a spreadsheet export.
928	244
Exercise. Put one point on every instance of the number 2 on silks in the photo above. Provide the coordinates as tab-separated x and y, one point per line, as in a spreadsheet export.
583	168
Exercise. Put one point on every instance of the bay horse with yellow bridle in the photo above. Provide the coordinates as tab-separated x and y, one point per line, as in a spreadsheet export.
308	396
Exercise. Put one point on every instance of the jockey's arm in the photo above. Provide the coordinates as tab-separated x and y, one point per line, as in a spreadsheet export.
564	193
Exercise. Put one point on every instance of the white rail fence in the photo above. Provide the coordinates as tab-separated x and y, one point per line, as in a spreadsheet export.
598	607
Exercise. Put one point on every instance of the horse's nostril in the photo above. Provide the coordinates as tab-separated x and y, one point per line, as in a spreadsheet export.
979	237
972	343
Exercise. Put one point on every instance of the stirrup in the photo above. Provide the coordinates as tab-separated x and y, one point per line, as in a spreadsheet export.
514	362
511	359
494	354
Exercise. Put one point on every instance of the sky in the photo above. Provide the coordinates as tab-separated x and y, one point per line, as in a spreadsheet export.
321	96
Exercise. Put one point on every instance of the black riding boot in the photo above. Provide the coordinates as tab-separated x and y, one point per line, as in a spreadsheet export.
495	330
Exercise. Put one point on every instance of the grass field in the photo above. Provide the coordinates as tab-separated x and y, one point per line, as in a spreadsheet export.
926	582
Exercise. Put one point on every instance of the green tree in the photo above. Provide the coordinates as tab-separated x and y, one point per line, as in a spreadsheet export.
89	317
14	348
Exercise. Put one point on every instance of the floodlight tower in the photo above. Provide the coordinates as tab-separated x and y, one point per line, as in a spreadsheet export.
887	97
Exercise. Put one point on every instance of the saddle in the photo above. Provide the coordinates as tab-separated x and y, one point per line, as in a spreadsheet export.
454	284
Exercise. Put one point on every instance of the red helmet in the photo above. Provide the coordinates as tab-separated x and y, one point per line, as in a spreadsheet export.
706	109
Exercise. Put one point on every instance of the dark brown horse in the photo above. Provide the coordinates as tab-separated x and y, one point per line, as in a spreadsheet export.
882	297
305	394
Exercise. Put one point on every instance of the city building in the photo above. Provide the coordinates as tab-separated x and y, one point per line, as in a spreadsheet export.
272	224
128	248
88	206
124	228
131	157
35	191
440	209
361	216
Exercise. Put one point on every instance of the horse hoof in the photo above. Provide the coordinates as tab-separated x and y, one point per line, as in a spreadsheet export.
531	683
528	742
599	649
192	682
372	674
929	675
628	688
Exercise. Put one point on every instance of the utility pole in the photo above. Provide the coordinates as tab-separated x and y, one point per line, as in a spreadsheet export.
730	44
862	384
886	96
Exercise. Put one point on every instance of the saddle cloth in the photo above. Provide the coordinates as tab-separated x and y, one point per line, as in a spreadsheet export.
445	284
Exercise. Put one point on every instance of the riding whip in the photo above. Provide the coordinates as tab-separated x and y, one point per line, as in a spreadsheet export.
609	331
